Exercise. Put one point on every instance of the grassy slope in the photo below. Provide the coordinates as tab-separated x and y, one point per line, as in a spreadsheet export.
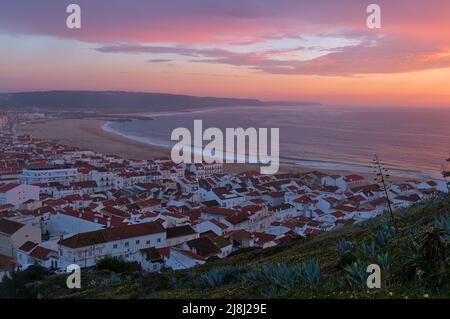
186	283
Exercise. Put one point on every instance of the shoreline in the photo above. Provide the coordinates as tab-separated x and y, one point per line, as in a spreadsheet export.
94	134
287	164
88	134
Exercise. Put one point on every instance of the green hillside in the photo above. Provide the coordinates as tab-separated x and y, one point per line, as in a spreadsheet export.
414	260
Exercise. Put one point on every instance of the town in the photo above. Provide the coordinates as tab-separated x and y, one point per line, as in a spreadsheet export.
61	205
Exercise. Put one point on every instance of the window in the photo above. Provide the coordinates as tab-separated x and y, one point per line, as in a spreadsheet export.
158	240
138	242
115	246
147	242
127	244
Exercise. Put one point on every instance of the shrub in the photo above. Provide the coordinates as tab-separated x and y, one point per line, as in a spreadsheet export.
114	264
17	285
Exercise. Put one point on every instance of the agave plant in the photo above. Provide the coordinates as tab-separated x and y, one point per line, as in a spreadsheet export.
383	235
383	260
310	272
269	292
442	223
216	276
280	274
355	274
343	246
368	250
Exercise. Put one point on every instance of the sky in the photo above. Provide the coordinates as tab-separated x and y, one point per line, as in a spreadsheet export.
319	50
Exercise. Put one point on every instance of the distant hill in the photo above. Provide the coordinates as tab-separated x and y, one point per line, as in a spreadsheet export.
112	101
292	103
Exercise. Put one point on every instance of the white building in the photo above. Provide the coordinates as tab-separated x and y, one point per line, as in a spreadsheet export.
47	174
14	234
107	180
17	194
85	249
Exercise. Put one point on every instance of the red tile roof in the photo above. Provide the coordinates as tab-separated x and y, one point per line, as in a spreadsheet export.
28	246
112	234
179	231
203	246
42	253
7	187
9	226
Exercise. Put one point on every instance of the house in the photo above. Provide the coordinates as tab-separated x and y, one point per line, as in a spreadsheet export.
350	181
85	249
238	221
14	234
213	225
224	197
180	234
305	205
329	180
242	239
32	254
17	194
151	259
22	255
264	240
325	203
225	246
202	246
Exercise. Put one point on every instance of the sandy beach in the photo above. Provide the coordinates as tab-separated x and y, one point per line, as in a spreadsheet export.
88	134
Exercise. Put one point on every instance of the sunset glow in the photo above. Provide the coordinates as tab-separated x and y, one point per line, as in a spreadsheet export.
289	50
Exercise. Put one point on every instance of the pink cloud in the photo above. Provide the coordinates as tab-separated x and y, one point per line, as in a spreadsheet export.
374	54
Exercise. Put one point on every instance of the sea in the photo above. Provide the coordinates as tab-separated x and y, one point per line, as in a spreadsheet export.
410	142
